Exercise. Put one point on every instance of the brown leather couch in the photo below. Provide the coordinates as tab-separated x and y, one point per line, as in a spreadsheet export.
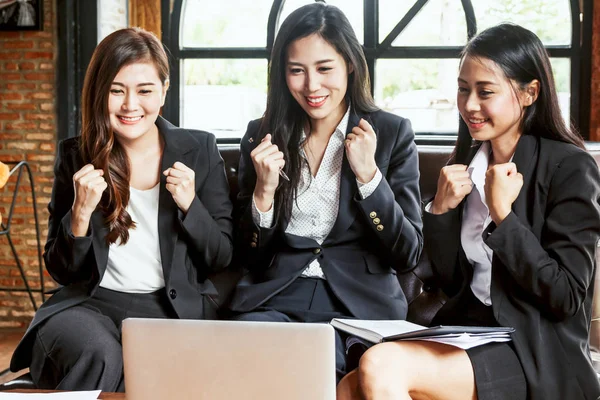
423	295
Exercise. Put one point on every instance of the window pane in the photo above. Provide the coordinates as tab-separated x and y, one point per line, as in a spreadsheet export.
353	9
231	23
222	96
422	90
549	19
561	68
439	23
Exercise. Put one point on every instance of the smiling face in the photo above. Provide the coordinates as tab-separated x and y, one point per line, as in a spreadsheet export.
136	96
317	77
488	102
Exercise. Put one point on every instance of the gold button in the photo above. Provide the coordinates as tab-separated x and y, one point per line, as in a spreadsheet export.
316	251
373	214
376	221
255	235
379	228
253	244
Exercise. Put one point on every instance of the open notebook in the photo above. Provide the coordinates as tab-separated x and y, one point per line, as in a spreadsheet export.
464	337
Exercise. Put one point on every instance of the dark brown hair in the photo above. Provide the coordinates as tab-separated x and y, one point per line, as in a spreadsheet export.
98	144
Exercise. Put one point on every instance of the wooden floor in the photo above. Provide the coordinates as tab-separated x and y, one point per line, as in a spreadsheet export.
8	341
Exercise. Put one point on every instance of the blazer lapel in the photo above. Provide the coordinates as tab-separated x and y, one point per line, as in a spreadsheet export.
168	212
348	188
100	230
525	159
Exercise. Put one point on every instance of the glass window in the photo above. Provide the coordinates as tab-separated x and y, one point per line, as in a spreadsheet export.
438	23
209	23
221	96
549	19
422	90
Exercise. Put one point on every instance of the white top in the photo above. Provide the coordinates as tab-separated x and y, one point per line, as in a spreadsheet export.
316	207
476	218
136	266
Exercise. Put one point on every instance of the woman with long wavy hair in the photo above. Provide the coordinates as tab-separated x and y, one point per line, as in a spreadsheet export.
139	217
328	242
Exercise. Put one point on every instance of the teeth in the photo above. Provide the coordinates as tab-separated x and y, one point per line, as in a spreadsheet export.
130	119
477	121
315	99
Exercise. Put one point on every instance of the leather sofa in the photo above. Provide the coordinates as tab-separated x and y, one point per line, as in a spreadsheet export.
423	295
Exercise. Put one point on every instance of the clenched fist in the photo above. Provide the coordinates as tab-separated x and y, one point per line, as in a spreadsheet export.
181	182
502	186
454	184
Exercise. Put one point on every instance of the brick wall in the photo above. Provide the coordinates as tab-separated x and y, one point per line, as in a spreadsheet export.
27	132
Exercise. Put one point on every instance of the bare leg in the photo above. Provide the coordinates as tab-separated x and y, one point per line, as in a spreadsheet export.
348	388
416	370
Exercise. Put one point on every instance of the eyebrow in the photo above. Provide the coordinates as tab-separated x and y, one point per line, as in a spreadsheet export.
139	84
318	62
478	82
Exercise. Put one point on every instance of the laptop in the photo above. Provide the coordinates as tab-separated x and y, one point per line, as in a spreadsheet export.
225	360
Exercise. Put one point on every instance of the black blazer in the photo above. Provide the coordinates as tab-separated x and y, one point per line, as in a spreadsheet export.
358	260
191	246
543	266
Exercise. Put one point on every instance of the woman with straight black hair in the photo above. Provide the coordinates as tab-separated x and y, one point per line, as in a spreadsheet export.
512	235
329	191
140	217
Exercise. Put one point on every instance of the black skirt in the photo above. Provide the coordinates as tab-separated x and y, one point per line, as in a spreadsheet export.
498	371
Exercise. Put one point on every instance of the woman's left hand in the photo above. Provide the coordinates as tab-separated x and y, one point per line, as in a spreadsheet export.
361	144
502	186
181	185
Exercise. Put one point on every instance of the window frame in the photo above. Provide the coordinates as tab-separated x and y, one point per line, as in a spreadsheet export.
581	33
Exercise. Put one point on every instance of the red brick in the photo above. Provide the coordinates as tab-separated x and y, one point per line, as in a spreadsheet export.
39	55
10	96
47	66
20	106
10	77
39	34
26	66
10	35
17	44
10	56
21	146
20	126
39	117
10	136
39	96
39	77
47	126
11	66
20	86
47	147
8	116
39	136
44	44
47	106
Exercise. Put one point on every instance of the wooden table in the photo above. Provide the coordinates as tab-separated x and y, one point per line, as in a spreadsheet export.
103	395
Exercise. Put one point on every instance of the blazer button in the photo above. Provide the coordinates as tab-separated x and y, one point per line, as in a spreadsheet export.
373	214
379	228
376	221
317	251
173	293
253	244
254	235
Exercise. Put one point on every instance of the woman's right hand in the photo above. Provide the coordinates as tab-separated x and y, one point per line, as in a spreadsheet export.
89	184
454	184
268	161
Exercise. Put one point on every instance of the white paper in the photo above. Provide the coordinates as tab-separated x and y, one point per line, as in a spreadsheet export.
83	395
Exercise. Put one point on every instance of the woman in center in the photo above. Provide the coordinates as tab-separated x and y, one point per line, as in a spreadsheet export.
327	242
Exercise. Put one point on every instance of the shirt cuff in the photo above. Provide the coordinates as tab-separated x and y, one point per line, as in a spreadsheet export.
262	219
367	189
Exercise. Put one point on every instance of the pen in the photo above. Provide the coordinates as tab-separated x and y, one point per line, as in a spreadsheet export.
283	175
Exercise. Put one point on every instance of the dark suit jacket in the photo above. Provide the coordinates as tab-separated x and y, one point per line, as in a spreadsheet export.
543	266
191	246
359	261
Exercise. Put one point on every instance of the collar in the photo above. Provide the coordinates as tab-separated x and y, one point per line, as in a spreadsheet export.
340	129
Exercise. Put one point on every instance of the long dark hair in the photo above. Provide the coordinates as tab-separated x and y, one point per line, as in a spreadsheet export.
98	144
284	118
520	54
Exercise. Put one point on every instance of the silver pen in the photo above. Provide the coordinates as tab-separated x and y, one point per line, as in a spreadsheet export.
283	175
